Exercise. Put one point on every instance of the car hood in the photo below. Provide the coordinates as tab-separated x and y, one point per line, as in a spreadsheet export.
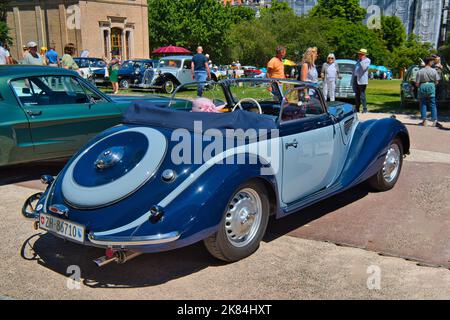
148	98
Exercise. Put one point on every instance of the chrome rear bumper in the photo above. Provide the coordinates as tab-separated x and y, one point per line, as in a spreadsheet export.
133	241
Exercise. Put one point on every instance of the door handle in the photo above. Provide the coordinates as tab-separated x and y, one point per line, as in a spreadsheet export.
32	113
291	144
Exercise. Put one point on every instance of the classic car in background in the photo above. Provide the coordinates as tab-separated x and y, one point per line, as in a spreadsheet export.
134	188
48	112
89	65
171	72
344	87
409	91
129	72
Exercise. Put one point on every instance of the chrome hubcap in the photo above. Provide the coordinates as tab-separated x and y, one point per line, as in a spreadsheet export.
391	163
243	217
169	86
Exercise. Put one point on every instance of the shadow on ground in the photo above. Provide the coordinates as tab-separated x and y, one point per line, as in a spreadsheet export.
157	268
28	172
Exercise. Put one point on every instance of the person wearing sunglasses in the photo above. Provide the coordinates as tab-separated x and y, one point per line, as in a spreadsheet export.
329	74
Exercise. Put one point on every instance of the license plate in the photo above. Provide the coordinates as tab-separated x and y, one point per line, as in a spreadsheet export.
343	95
61	227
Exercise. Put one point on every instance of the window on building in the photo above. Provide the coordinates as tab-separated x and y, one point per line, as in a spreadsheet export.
116	40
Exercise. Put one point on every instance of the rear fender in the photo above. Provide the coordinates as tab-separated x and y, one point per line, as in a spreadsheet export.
198	210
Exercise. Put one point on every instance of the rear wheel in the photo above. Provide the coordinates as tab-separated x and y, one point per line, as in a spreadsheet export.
243	224
387	176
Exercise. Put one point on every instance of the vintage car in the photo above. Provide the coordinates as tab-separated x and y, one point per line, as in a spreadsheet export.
48	112
89	65
409	90
129	72
172	71
167	177
344	87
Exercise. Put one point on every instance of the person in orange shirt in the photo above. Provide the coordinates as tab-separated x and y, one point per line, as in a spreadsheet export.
275	67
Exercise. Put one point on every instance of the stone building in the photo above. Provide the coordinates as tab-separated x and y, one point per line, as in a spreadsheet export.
98	26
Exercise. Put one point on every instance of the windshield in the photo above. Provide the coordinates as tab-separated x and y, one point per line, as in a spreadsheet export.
171	63
93	63
346	68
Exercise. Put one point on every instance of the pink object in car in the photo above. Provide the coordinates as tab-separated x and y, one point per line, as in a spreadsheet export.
205	105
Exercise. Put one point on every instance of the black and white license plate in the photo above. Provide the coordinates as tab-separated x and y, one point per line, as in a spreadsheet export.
63	228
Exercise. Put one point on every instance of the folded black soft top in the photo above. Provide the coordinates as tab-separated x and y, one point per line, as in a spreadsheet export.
152	114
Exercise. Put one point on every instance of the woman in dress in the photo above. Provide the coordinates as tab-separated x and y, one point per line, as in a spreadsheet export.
114	66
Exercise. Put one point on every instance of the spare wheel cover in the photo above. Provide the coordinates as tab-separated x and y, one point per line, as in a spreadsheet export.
129	158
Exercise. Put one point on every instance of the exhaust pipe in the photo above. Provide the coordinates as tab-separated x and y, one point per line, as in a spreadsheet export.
120	257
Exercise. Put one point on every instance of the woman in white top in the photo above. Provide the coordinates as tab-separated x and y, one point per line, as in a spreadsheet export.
329	73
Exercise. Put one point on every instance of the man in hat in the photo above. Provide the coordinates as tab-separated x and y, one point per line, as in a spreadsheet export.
360	79
32	57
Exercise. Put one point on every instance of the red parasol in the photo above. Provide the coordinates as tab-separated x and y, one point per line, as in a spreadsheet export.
171	49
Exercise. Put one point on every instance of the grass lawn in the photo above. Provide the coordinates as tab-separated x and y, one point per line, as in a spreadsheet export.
384	96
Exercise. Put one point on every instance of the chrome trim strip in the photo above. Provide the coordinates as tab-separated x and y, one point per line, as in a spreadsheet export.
186	183
134	241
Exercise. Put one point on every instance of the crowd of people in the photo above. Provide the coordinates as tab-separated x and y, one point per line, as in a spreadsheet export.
49	57
428	81
329	73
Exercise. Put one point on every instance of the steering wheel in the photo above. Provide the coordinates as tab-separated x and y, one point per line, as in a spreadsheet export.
239	104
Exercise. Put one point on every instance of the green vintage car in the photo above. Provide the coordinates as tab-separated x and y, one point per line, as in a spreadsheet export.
48	112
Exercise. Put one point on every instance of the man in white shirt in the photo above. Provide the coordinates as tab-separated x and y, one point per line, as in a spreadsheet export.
4	55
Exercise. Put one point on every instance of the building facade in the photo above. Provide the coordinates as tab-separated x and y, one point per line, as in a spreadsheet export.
98	26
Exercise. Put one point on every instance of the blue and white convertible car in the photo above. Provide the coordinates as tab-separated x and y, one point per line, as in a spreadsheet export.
171	175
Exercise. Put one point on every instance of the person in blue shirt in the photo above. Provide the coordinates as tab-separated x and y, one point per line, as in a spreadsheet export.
52	57
200	70
360	79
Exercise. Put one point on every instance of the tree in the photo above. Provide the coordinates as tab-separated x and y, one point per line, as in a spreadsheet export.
347	39
251	43
190	23
411	52
4	30
392	32
349	10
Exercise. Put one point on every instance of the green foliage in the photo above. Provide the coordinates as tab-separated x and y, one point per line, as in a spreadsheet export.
411	52
392	32
277	7
349	10
444	52
251	43
190	23
348	39
4	30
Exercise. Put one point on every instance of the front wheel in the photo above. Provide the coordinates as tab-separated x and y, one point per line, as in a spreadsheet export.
124	84
168	86
243	224
387	176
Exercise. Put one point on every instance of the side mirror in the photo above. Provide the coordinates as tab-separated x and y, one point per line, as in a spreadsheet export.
26	90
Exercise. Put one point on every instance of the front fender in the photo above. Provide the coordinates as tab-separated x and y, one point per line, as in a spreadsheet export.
368	148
